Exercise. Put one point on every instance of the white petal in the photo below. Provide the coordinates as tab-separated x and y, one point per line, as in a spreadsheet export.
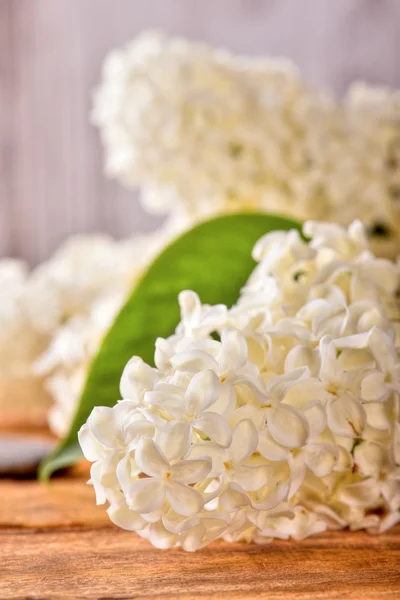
373	386
137	378
270	449
205	532
102	424
184	500
249	412
357	341
233	354
297	473
209	450
174	439
346	416
256	350
320	458
364	493
233	498
302	395
162	355
154	516
193	361
146	495
302	356
135	430
192	539
108	470
388	522
215	427
203	391
124	410
316	417
344	460
390	492
160	537
171	403
125	474
370	458
252	478
378	415
396	442
226	402
279	386
149	458
124	517
327	349
190	305
212	492
288	426
153	417
199	536
96	481
250	390
176	523
274	495
383	350
191	471
92	449
244	441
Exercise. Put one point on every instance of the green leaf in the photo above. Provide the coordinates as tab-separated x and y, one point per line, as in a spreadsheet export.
214	260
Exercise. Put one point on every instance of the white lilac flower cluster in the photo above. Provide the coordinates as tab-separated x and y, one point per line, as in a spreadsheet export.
85	283
205	132
21	393
276	418
52	321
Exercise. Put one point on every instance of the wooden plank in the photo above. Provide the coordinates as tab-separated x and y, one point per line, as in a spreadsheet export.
116	564
66	502
55	543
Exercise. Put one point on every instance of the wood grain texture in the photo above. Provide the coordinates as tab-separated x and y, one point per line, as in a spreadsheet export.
55	543
51	175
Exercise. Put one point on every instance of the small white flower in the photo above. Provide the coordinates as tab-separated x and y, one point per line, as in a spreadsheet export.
114	428
196	406
198	319
167	477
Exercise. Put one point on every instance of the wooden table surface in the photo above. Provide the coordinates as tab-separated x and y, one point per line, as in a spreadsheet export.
55	543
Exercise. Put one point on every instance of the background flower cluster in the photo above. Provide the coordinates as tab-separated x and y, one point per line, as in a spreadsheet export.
203	131
52	320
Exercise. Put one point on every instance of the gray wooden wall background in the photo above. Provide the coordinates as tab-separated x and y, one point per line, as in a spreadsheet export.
51	180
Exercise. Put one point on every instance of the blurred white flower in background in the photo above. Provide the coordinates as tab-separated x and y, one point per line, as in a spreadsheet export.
202	131
278	417
22	396
80	271
54	318
86	284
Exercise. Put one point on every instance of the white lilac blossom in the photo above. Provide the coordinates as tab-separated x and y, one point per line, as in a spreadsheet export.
53	319
205	132
48	316
276	418
22	397
83	287
80	271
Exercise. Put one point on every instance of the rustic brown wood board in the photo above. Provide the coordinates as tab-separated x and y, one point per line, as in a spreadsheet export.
55	543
